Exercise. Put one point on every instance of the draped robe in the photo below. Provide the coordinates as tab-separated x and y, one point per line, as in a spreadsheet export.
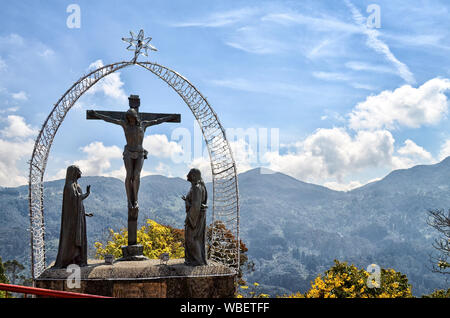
72	239
195	225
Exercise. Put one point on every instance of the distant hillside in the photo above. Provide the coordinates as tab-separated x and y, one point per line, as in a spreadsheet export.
293	229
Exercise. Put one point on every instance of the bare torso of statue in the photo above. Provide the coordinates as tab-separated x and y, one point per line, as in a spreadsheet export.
134	134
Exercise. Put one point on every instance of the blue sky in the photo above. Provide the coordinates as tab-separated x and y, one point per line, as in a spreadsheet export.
350	101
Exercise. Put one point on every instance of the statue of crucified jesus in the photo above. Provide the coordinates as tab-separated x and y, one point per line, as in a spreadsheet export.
134	125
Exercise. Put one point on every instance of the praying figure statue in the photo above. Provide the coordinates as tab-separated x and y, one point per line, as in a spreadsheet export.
195	223
73	239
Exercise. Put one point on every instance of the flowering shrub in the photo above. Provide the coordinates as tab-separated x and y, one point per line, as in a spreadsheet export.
440	293
154	237
246	291
347	281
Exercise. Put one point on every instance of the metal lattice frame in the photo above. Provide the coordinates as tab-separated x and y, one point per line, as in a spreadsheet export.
225	211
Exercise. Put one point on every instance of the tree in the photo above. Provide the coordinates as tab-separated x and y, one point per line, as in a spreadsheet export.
227	249
13	268
3	279
440	221
440	293
347	281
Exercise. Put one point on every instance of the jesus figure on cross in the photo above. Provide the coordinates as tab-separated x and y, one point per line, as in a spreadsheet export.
134	125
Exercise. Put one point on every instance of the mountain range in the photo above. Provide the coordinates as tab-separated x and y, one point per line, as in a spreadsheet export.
293	230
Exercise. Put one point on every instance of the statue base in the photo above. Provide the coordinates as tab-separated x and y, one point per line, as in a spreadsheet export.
147	279
133	253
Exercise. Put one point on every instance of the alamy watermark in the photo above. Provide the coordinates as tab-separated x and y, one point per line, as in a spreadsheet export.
74	279
373	21
249	145
374	279
74	19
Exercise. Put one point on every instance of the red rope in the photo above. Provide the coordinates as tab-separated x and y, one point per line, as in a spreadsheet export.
45	292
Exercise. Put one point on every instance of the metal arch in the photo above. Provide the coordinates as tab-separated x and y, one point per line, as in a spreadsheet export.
223	167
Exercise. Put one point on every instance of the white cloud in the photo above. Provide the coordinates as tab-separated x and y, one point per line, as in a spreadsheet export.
219	19
334	154
16	146
3	65
331	76
244	155
98	159
20	96
411	149
121	173
9	110
13	172
110	85
17	128
379	46
258	86
341	77
445	150
405	106
254	39
163	169
343	186
324	23
410	155
362	66
12	40
434	41
204	165
159	146
319	49
95	65
340	158
46	52
363	86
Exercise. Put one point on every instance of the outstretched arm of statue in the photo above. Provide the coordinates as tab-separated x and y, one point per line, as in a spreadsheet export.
148	123
106	118
88	191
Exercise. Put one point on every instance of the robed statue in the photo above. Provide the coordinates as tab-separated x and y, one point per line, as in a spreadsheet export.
73	239
195	223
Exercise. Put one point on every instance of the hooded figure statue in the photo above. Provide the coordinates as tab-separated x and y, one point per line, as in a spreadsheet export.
195	223
72	239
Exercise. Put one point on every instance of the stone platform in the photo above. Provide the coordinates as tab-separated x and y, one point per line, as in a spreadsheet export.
145	279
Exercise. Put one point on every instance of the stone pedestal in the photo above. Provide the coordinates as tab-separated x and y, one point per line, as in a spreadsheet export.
145	279
133	253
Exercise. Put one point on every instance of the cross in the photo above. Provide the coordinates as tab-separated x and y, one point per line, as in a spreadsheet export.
134	102
134	124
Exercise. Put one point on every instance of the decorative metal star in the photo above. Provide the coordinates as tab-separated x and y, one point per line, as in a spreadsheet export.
139	44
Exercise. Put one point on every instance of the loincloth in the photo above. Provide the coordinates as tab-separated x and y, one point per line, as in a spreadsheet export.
127	153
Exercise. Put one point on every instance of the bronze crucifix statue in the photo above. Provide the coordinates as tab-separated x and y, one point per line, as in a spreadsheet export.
134	125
